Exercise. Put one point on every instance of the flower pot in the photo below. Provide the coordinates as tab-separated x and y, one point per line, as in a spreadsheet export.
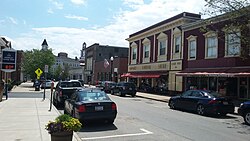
62	136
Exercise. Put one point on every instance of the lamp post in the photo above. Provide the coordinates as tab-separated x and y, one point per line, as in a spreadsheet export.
111	68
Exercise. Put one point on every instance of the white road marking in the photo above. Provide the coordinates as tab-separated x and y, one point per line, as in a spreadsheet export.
145	132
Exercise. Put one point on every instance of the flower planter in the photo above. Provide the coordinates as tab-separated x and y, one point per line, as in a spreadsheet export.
62	136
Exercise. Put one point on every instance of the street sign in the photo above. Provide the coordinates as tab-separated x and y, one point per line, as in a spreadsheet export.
38	72
8	60
46	68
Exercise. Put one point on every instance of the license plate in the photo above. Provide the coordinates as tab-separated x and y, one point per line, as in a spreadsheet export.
130	88
225	102
98	108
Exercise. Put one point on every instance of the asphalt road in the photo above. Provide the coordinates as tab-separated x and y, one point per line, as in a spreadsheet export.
149	120
143	119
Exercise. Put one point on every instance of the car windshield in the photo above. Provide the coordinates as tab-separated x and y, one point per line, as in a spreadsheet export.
92	96
70	84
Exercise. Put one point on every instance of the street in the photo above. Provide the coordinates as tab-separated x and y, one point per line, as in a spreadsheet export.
144	119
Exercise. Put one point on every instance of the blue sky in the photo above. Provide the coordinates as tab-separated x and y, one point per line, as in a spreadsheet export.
66	24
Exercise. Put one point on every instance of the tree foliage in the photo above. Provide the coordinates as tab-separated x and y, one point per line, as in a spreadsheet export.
34	59
236	13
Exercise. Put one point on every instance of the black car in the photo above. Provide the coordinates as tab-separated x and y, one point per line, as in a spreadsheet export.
203	102
123	88
244	111
91	104
108	85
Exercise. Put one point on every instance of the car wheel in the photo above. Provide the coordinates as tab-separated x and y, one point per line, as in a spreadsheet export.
171	104
200	109
247	117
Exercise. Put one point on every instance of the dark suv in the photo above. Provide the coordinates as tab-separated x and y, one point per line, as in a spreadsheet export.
123	88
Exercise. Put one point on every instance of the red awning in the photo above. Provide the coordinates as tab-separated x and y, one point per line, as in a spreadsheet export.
223	72
140	75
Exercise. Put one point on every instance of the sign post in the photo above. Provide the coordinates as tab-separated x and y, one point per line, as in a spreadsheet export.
8	64
45	70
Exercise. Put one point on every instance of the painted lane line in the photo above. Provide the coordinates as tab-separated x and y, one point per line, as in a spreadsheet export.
145	132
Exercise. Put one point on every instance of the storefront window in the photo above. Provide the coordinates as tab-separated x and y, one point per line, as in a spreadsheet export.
243	88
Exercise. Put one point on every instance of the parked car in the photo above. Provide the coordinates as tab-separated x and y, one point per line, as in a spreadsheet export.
244	111
91	104
144	87
203	102
106	86
64	90
47	84
82	81
123	88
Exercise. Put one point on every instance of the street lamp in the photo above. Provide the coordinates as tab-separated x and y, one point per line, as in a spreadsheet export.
111	68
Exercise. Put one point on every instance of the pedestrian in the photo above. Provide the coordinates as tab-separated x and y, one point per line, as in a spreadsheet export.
1	90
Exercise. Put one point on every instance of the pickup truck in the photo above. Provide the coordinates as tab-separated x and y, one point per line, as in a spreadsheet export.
64	90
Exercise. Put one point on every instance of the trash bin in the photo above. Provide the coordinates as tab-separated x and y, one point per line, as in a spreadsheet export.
37	86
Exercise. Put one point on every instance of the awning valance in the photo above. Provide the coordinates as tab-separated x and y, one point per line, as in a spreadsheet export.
222	72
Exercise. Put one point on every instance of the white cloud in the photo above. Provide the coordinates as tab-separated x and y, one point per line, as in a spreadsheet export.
57	4
13	20
78	2
76	17
50	11
124	23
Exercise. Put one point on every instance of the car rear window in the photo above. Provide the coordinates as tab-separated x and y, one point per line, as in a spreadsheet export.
92	96
70	84
213	94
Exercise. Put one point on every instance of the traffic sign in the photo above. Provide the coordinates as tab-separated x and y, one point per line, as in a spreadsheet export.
38	72
8	60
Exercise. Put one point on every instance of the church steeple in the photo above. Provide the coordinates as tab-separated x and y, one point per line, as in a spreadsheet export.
45	45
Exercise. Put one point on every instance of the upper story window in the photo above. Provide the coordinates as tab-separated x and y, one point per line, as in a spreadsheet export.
146	50
162	47
211	45
192	47
177	43
133	53
232	43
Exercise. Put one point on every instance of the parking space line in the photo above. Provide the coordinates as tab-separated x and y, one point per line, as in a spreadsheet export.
145	132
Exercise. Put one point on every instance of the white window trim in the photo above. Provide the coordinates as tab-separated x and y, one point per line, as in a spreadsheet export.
162	37
192	38
226	43
146	41
133	46
207	35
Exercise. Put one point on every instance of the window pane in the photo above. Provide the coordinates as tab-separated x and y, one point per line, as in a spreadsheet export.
146	51
192	49
211	47
162	47
177	43
233	43
134	54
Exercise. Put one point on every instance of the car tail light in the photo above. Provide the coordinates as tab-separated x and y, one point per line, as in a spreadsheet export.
113	106
213	102
81	108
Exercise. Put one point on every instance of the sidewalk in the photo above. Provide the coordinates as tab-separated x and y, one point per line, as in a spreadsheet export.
24	119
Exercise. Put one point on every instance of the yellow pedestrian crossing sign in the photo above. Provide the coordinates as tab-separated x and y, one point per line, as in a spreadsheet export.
38	72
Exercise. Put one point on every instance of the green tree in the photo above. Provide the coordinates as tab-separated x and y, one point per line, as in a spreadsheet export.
236	13
34	59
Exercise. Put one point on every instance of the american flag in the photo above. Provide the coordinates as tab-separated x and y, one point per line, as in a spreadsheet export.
106	63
